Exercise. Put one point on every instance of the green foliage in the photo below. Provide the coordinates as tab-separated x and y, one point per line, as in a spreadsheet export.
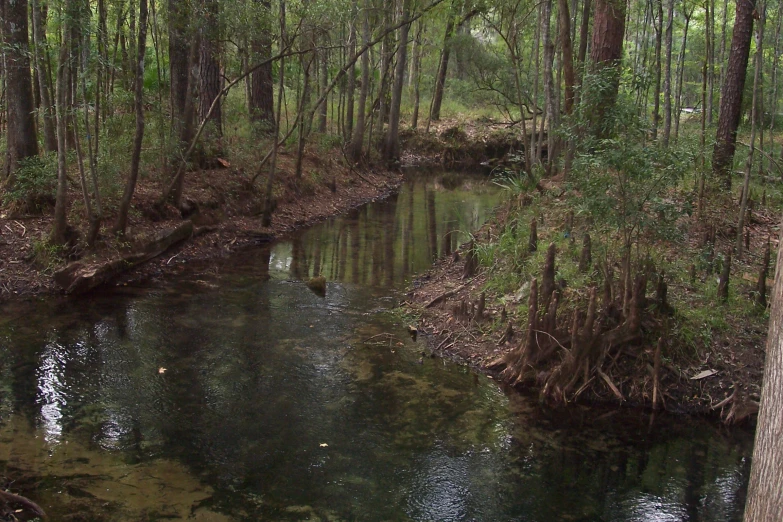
35	183
623	180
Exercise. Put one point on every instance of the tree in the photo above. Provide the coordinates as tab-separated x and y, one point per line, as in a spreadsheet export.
355	149
22	138
39	37
209	78
392	145
606	53
731	93
130	186
440	78
765	503
261	93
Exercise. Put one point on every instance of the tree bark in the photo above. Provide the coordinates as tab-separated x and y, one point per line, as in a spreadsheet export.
60	223
351	87
49	118
607	52
209	77
765	503
667	79
753	129
392	146
657	93
122	215
568	54
358	131
261	90
22	141
443	66
731	93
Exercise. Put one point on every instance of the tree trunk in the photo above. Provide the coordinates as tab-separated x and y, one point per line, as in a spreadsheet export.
49	118
209	80
416	75
731	94
443	66
179	65
122	215
606	52
764	502
261	91
753	128
266	219
549	88
60	223
681	73
667	80
710	30
657	93
323	84
358	130
351	88
22	141
392	146
568	54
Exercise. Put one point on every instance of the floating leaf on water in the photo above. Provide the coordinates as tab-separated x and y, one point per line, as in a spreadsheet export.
161	370
324	445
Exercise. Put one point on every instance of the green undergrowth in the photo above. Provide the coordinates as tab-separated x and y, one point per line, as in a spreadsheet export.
699	318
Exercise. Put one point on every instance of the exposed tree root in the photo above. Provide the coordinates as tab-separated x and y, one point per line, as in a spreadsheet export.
566	356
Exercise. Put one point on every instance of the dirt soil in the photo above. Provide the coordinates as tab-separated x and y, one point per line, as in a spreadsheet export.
220	201
736	356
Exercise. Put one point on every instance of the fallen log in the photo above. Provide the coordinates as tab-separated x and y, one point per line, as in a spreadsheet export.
80	277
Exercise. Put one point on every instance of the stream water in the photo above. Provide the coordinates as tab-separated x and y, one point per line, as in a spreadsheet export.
234	392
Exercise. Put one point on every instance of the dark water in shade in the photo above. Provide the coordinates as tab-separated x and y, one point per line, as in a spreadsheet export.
278	404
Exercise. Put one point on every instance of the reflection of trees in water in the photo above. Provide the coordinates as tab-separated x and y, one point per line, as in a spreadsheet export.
389	228
432	224
407	234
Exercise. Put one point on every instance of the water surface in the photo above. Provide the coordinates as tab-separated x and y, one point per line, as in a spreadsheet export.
233	392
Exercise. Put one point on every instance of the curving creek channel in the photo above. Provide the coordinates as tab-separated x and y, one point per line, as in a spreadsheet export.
233	392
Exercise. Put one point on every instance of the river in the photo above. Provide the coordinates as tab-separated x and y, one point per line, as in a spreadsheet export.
234	392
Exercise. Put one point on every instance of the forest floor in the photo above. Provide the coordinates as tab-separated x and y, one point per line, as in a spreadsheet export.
223	203
713	359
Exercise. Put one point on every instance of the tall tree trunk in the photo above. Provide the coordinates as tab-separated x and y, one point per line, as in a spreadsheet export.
180	35
724	25
667	80
351	88
22	141
261	90
209	80
657	93
305	114
392	146
416	76
681	72
323	84
765	503
754	113
710	30
549	87
122	215
41	51
731	94
443	67
568	54
266	219
606	53
386	60
358	131
60	223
